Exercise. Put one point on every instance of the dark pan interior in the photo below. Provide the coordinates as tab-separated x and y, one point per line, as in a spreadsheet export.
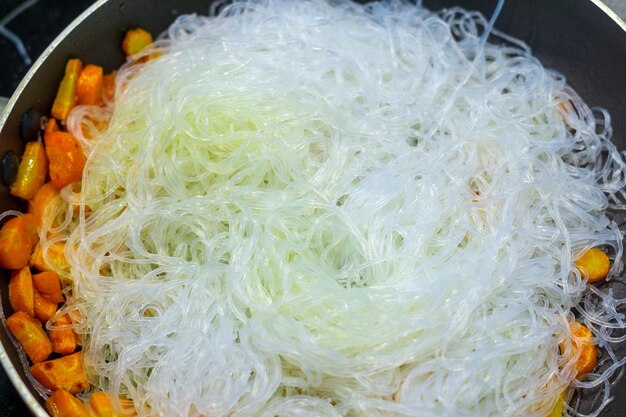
574	37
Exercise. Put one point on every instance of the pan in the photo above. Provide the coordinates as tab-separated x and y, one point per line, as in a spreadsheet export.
582	39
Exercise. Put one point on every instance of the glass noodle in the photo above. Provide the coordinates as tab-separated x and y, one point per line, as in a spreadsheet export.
311	209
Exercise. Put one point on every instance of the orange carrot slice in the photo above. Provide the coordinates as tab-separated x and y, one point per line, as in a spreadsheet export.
21	293
63	340
63	404
63	373
37	205
48	284
135	41
594	265
44	309
29	332
17	241
101	404
66	158
89	86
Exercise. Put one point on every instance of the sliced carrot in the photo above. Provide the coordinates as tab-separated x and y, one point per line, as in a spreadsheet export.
63	340
66	158
101	404
44	309
135	41
16	242
66	95
30	224
51	126
37	205
36	259
581	341
21	293
63	404
29	332
99	125
63	373
48	284
594	265
89	86
55	260
32	171
108	87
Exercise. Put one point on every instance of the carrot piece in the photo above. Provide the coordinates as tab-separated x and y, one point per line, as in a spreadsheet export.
108	86
17	241
63	373
37	205
30	334
51	126
594	265
31	174
103	407
36	259
55	258
66	158
135	41
63	340
44	309
66	95
99	125
63	404
89	86
21	293
583	348
30	224
48	284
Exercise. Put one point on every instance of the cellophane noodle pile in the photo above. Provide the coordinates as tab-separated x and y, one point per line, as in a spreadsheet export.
310	209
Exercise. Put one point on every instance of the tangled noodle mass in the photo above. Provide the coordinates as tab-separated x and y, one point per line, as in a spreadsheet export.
311	209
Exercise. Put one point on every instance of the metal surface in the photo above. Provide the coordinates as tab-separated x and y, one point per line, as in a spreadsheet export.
575	37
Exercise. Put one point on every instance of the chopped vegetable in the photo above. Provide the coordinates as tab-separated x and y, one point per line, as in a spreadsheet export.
44	309
63	340
31	227
63	404
66	158
63	373
17	241
29	332
89	86
66	95
582	340
51	126
594	265
56	257
32	171
48	284
103	407
21	293
37	205
135	41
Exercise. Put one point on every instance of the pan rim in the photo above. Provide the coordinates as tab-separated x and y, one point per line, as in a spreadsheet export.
31	402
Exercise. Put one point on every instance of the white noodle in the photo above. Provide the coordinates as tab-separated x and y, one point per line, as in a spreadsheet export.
304	209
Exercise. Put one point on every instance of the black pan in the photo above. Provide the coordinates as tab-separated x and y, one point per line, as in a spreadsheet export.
582	39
